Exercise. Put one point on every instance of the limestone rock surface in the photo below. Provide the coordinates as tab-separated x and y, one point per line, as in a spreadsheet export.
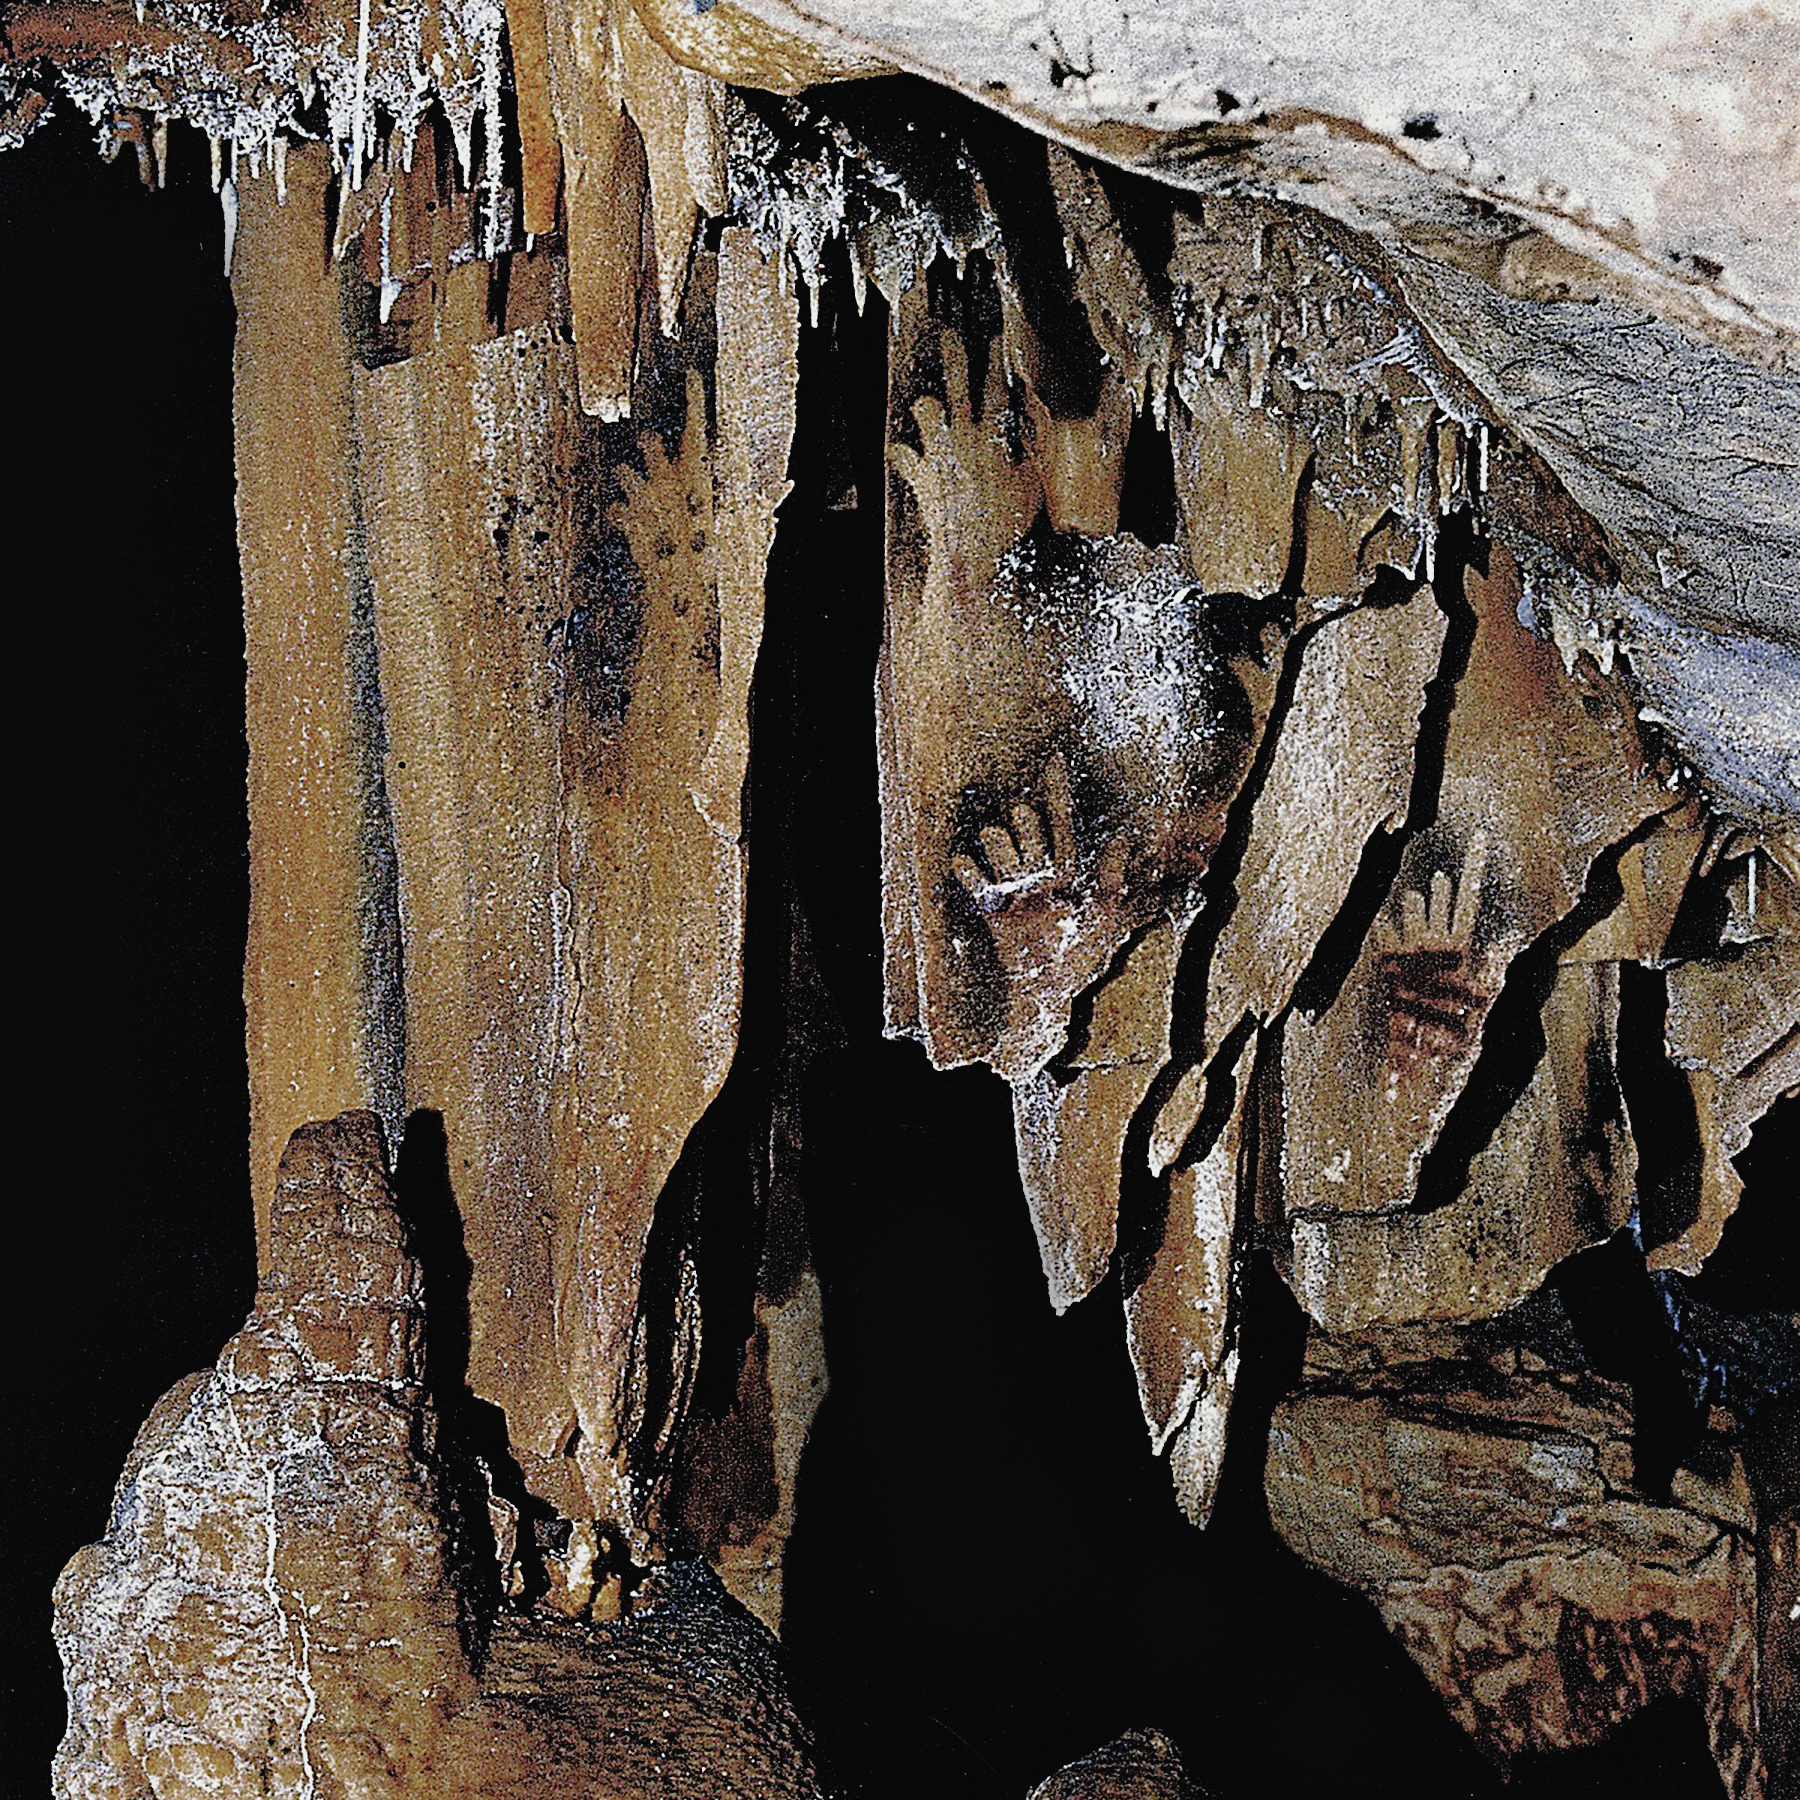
1488	1507
1141	1765
293	1600
272	1608
1338	656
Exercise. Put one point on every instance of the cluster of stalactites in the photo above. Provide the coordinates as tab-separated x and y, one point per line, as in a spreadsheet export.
361	78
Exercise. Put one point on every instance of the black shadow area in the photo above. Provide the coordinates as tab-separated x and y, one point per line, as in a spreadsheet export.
133	1240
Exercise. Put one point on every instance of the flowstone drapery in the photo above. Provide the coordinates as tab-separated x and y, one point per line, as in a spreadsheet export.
1335	721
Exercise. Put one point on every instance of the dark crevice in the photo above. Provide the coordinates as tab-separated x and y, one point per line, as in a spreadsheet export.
1781	1046
1218	888
712	1217
1293	576
1270	1331
1742	1309
1698	928
1682	1356
966	304
1143	1196
1660	1107
1147	503
1142	1223
707	1232
1757	1263
1341	942
471	1432
1068	372
1660	1751
1146	220
965	1419
133	1273
1221	1095
1065	1066
1619	1314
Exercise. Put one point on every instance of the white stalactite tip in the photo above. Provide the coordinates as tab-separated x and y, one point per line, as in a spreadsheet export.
358	122
228	205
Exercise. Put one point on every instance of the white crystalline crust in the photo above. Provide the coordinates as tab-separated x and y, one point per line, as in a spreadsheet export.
1664	137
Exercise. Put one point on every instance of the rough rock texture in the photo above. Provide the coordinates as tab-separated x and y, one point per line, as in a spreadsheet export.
684	1700
1487	1505
1141	1765
272	1608
499	693
1390	112
289	1600
1614	279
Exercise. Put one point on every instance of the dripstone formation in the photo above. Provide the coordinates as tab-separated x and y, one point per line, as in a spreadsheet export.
1335	721
288	1600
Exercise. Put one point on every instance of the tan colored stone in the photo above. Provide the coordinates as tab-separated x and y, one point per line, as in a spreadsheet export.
1497	1533
1341	770
321	969
515	846
1735	1027
272	1609
1180	1319
1555	1176
604	195
286	1599
1537	787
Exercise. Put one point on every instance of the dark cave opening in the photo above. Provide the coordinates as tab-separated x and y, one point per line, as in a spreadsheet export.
126	612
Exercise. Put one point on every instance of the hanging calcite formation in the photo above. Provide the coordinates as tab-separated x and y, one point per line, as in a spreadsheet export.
1282	850
1069	717
1734	1022
539	630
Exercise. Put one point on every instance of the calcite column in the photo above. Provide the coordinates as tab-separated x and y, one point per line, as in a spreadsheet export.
501	651
321	966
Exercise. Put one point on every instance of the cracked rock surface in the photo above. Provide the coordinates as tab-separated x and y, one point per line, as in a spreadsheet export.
1487	1505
